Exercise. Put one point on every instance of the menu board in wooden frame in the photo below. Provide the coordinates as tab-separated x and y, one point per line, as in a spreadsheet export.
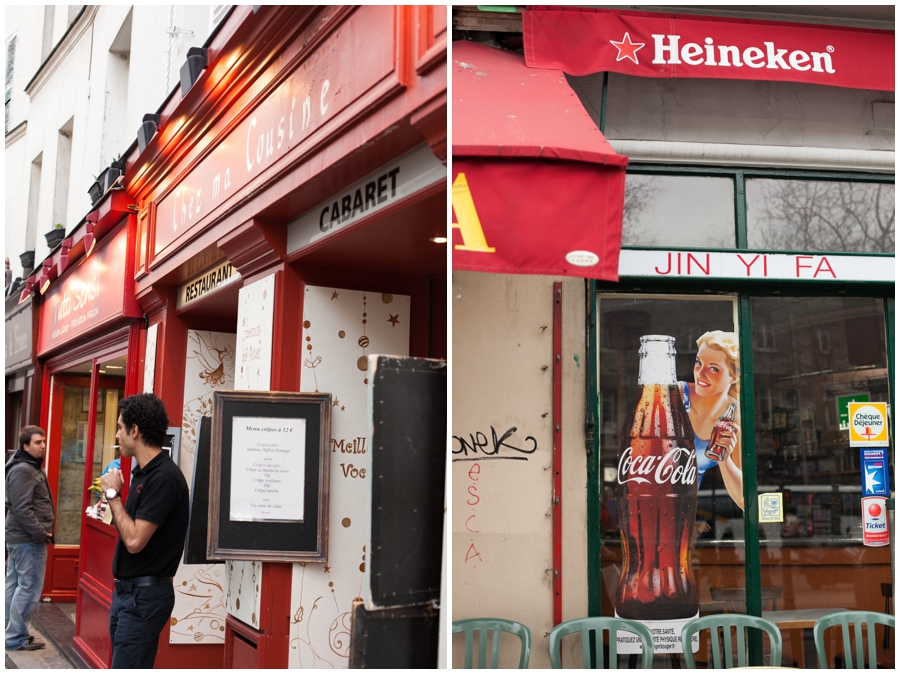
269	486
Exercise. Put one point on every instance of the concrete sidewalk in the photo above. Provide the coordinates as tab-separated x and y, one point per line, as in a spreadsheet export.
54	624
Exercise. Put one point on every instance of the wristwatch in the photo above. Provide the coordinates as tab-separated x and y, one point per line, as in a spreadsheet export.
111	494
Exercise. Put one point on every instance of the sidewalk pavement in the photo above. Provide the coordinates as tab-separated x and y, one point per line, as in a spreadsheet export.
54	624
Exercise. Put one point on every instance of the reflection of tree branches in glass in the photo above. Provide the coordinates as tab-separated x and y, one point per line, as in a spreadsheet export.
640	192
826	216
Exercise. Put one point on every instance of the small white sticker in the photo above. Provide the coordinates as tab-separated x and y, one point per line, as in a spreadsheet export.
582	258
771	508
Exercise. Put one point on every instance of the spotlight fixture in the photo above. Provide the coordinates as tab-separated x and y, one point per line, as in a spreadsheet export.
197	61
63	263
149	127
438	239
29	287
89	238
47	275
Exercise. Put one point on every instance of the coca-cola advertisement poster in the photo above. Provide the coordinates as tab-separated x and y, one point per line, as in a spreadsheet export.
674	432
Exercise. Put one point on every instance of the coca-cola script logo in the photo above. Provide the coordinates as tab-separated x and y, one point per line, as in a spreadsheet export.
663	468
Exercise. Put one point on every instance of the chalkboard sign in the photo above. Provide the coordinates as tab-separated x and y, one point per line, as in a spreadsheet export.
408	417
394	638
198	524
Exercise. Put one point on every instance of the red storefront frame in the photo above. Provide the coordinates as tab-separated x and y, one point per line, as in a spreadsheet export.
396	109
94	300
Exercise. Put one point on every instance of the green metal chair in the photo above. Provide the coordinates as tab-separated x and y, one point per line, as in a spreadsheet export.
857	619
726	621
495	625
596	627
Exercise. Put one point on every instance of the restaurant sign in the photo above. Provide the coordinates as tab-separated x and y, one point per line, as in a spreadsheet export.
209	281
382	188
752	265
330	80
18	337
89	296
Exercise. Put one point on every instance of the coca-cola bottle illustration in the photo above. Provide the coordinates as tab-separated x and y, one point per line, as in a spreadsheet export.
715	450
657	494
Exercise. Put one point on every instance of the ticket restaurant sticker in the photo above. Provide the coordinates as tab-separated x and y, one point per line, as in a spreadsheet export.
868	424
771	507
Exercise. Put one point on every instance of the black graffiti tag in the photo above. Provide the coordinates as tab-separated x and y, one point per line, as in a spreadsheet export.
477	444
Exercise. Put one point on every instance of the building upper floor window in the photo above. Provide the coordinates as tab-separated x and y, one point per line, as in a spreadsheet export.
820	215
758	209
10	73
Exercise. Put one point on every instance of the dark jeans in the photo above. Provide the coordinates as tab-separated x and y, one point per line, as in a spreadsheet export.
135	621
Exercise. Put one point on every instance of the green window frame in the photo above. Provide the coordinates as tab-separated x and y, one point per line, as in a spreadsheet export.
739	177
744	290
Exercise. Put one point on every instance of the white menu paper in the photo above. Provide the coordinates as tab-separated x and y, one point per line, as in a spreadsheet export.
267	469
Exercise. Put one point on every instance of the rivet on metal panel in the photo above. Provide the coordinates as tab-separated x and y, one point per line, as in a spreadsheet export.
557	428
556	573
558	292
557	358
556	500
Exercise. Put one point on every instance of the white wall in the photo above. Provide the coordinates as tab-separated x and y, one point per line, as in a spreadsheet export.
73	85
501	529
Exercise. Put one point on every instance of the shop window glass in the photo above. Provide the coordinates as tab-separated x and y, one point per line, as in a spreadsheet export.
718	552
818	215
72	454
829	350
678	211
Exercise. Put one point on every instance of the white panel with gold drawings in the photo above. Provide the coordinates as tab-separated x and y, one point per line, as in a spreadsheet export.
341	328
199	613
253	368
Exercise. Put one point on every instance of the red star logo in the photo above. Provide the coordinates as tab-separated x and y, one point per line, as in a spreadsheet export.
627	48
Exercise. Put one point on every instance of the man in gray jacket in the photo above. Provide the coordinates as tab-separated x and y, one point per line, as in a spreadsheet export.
29	528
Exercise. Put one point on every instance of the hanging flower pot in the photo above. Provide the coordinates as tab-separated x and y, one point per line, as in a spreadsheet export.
27	260
95	192
55	236
109	177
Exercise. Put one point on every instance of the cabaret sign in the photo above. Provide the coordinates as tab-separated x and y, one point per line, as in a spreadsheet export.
325	84
758	266
415	170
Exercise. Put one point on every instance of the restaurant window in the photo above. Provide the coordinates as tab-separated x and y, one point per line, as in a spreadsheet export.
682	211
817	215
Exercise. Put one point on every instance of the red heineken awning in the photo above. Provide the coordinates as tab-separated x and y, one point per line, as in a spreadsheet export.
537	189
582	41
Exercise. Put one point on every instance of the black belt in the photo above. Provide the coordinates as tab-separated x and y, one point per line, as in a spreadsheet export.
141	581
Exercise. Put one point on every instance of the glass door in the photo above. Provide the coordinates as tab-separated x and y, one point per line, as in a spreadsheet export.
811	357
81	442
705	333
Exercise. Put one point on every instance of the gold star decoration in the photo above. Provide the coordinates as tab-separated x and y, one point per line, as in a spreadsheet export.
334	295
342	408
393	320
336	403
327	569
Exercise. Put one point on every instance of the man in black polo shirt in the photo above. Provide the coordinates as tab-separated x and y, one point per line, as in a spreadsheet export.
151	526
